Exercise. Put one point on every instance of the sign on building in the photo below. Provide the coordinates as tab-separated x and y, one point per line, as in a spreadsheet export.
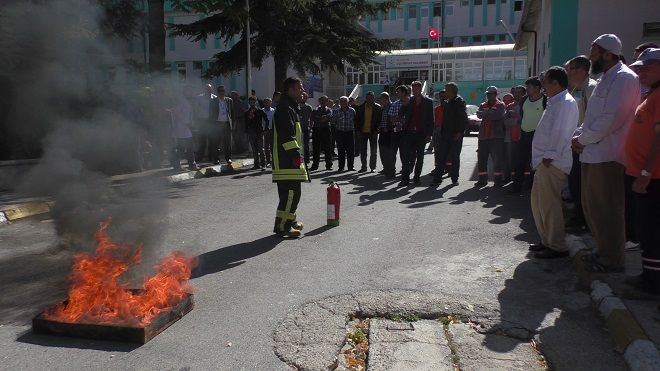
408	61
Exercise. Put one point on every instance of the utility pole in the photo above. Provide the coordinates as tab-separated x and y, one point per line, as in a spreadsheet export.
513	40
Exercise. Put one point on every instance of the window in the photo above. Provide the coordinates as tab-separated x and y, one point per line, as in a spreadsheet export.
476	38
651	29
465	2
375	74
502	1
399	13
437	72
425	11
412	11
197	65
181	70
468	71
490	38
449	7
411	44
491	2
449	44
518	5
464	40
354	76
521	68
478	2
503	37
437	9
424	43
499	70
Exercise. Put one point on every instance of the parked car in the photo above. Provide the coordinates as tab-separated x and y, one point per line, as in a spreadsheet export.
473	120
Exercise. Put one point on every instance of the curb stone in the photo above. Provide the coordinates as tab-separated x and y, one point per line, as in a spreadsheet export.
30	209
210	171
24	210
639	352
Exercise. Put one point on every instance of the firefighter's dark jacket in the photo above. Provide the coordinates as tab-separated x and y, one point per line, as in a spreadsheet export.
288	163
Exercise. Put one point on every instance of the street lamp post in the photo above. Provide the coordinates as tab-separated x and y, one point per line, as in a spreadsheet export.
513	51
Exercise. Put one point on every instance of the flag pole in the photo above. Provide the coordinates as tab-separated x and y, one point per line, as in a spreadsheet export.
438	75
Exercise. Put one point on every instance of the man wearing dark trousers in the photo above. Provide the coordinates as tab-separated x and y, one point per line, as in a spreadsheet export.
417	131
384	134
367	118
642	150
531	110
491	137
321	134
450	141
289	169
255	132
343	121
221	115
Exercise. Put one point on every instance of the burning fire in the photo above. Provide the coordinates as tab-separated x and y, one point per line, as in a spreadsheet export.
97	296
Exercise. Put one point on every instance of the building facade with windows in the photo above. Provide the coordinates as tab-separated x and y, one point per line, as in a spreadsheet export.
464	23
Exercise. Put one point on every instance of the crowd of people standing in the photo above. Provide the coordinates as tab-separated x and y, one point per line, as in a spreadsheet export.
560	133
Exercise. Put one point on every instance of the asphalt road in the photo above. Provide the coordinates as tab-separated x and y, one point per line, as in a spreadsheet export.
467	244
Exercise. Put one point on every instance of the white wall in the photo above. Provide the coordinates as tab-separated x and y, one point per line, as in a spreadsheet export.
623	18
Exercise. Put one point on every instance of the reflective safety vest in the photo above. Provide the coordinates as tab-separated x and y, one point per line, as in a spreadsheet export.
288	157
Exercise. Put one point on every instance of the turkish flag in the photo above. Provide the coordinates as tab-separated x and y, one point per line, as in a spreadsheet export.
434	33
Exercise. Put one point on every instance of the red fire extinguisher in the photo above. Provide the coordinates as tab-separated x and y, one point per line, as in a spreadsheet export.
334	200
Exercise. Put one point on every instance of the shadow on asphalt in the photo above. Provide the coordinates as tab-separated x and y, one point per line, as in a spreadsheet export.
232	256
543	299
65	342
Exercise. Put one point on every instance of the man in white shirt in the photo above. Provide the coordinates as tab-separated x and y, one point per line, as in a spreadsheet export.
599	141
552	160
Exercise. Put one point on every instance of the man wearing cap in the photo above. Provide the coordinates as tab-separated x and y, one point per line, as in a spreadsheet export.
599	141
491	137
642	150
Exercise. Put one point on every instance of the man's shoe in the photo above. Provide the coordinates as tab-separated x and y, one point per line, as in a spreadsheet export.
297	225
229	161
536	247
291	233
362	170
433	172
515	191
417	181
550	254
481	183
255	167
216	162
404	183
314	167
351	169
454	183
498	184
373	170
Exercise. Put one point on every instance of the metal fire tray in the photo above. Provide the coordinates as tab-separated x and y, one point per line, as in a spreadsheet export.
119	332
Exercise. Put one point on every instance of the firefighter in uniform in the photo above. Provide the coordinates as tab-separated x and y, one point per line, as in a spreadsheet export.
289	169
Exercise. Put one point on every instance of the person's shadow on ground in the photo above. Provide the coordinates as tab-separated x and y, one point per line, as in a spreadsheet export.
232	256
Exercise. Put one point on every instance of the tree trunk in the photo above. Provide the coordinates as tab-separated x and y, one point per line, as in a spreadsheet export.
156	36
281	67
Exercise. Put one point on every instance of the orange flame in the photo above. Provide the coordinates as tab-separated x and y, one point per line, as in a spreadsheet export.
97	296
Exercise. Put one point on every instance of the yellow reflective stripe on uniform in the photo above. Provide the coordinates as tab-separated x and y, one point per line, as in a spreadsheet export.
290	145
276	156
299	138
287	209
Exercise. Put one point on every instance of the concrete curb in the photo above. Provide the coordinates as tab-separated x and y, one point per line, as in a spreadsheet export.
639	352
25	210
29	209
210	171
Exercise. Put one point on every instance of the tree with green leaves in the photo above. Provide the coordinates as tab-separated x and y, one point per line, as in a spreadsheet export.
307	35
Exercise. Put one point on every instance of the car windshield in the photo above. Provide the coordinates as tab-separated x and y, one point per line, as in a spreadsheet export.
471	109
